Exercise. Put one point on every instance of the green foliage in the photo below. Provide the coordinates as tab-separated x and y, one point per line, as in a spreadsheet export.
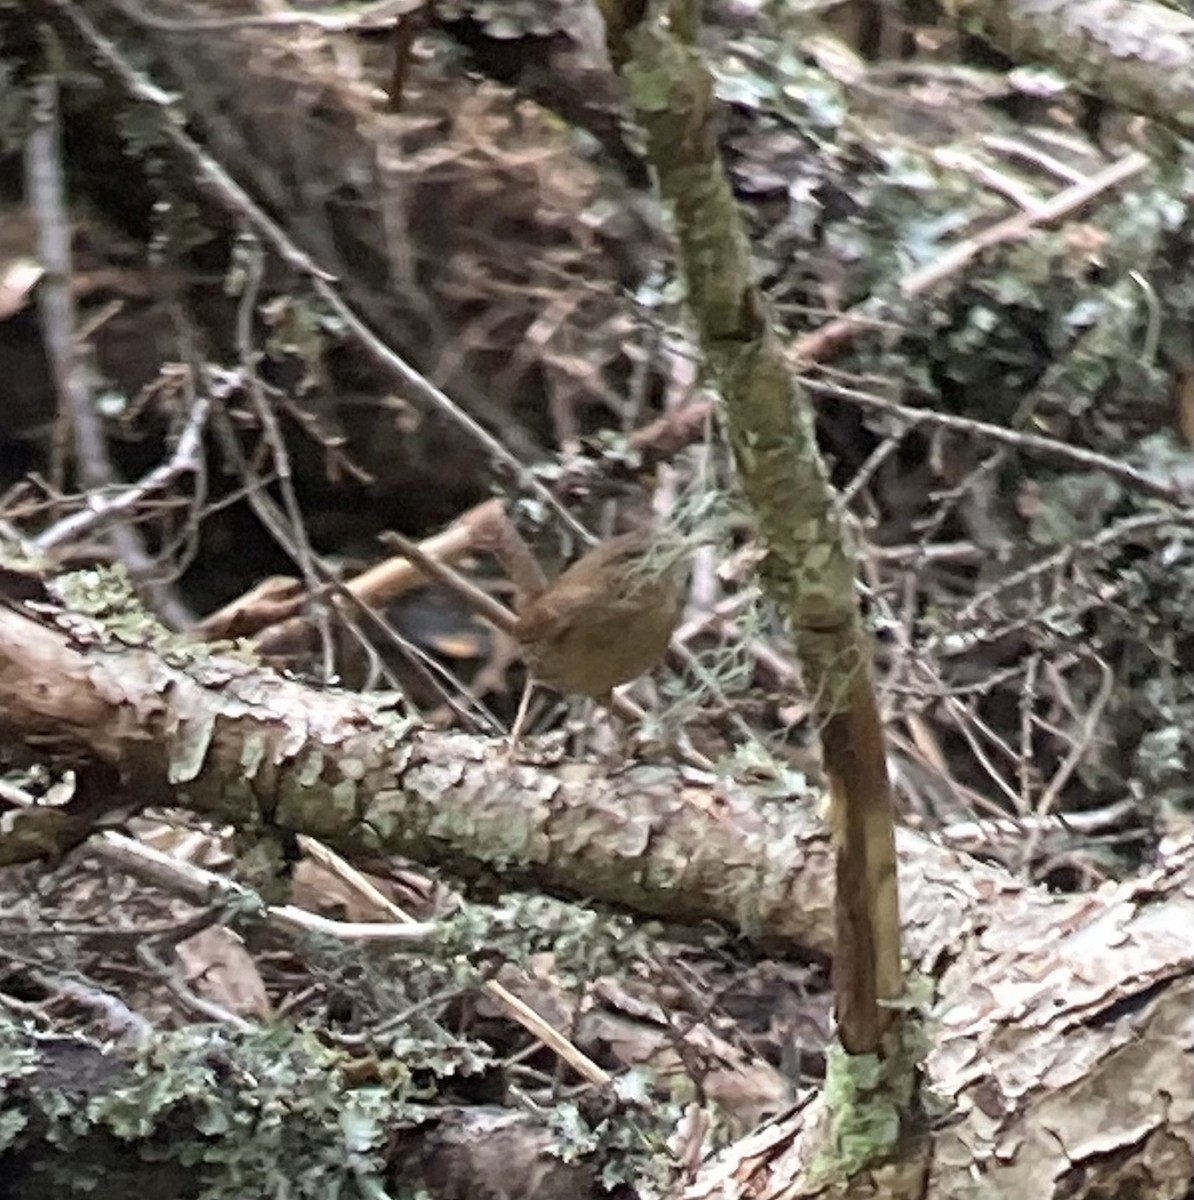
290	1125
1072	507
1149	639
772	76
865	1119
1058	321
263	1114
876	1101
583	942
630	1142
106	595
1144	634
16	1061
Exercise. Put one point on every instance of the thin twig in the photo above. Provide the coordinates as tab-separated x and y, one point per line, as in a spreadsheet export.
1039	158
1028	443
219	184
1081	744
821	344
100	508
514	1007
380	15
46	191
480	602
988	176
299	542
684	426
201	886
1117	532
1065	202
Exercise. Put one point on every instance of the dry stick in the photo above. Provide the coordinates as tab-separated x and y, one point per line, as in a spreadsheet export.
983	830
383	582
822	344
270	601
396	576
990	177
98	510
119	1019
45	184
382	14
291	537
430	670
1117	532
1015	227
494	612
375	587
503	540
171	978
1028	701
1072	760
480	602
499	536
19	277
216	182
253	260
291	634
1028	443
1013	148
522	1012
200	886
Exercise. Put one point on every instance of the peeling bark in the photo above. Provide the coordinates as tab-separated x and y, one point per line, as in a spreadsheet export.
1064	1054
1064	1027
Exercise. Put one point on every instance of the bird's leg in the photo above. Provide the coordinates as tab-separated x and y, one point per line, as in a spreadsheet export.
644	737
620	754
524	704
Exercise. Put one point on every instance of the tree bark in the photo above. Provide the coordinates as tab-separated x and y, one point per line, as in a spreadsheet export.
1064	1040
1133	53
810	568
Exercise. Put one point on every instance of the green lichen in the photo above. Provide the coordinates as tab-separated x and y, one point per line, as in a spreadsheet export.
864	1119
106	597
17	1061
874	1101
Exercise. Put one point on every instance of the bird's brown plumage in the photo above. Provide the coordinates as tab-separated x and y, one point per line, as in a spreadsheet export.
607	619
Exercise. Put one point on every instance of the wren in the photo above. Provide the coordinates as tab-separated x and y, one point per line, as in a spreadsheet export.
608	618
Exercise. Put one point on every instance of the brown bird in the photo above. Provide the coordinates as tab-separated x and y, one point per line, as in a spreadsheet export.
608	618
